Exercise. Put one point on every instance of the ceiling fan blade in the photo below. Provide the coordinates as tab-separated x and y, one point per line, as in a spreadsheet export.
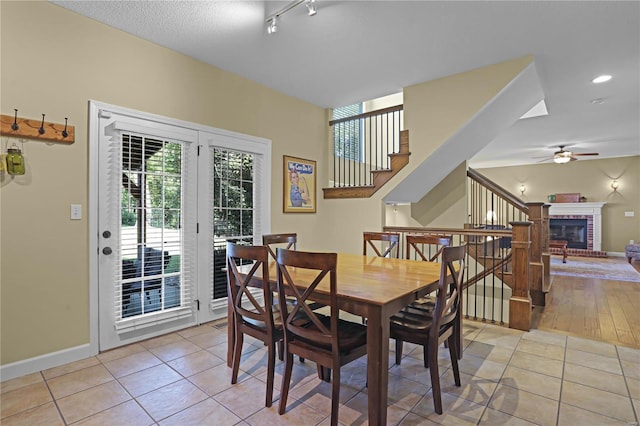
585	153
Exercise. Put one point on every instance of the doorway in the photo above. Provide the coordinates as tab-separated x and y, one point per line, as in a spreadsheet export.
168	195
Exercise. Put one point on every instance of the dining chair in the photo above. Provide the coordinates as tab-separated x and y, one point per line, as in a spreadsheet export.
419	327
286	240
427	247
249	315
327	340
377	242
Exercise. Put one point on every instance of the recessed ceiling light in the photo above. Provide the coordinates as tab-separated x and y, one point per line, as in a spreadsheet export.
597	101
601	78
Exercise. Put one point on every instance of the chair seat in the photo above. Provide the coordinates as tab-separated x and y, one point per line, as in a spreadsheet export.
426	304
351	335
411	318
301	318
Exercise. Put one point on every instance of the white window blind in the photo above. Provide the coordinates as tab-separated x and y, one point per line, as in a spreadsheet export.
156	260
347	136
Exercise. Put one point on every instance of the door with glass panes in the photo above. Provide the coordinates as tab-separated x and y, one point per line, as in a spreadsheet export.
169	197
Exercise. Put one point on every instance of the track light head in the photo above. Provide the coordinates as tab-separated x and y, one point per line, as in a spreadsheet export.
311	7
272	25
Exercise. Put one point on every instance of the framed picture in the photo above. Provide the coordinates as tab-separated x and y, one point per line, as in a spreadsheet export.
299	194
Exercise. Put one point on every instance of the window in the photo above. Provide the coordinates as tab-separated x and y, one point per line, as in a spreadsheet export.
347	135
150	234
233	213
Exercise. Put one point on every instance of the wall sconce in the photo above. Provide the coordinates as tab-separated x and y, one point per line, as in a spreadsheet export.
615	185
522	189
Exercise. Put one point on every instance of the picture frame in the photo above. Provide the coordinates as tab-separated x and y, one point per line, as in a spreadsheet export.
299	185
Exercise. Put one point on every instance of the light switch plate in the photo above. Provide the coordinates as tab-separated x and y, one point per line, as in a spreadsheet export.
629	214
76	211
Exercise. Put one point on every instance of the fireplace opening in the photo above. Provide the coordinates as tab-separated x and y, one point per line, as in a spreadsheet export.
574	231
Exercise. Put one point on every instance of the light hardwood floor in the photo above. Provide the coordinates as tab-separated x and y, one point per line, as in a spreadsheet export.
594	308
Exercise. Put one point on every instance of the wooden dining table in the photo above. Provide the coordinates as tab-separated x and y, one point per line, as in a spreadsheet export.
374	288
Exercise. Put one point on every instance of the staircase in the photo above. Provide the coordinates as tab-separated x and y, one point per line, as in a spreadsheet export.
398	160
369	150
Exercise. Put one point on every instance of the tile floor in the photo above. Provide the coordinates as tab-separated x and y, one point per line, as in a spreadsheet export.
508	377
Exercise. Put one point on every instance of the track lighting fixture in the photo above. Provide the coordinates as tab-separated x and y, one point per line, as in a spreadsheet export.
311	7
271	21
272	26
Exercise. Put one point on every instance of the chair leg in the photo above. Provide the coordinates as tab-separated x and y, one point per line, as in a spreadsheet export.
435	378
399	345
335	395
286	381
425	355
324	373
453	354
281	350
237	352
271	366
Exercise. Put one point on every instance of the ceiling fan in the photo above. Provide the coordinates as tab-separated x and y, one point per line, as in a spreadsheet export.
563	156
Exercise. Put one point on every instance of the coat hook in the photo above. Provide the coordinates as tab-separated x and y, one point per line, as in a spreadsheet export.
41	129
64	132
15	126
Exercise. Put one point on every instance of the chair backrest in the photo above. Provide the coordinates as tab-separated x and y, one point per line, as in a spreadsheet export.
245	306
289	240
290	284
428	247
449	291
392	239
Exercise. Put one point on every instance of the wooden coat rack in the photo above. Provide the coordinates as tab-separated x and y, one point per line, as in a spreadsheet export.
33	129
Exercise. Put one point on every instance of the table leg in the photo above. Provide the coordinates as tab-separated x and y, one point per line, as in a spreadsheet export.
377	365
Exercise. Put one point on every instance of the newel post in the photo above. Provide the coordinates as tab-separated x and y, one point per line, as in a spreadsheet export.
546	256
520	302
537	243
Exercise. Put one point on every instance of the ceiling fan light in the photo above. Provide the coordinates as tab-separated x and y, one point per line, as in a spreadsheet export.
561	159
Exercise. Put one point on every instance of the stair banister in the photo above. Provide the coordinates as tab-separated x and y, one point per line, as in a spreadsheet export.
520	301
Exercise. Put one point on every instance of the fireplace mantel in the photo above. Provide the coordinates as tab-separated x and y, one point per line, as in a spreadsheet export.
582	209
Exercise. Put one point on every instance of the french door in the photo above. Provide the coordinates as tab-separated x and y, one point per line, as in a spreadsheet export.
170	194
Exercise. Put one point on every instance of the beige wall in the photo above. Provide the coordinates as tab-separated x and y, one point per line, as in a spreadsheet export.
592	179
53	62
433	112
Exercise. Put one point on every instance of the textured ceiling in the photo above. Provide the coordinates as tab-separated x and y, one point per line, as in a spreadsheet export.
353	51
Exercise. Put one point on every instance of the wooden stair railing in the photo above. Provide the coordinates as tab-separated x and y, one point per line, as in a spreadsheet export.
381	176
538	214
492	271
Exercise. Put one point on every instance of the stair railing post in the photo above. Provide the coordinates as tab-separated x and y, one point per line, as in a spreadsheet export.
537	243
520	301
546	256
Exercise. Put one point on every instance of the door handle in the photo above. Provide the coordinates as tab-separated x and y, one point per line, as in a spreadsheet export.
107	250
106	234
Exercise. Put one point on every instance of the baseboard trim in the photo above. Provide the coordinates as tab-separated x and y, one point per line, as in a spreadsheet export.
43	362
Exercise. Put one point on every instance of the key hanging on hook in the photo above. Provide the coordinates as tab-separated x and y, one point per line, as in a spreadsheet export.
64	132
41	129
15	126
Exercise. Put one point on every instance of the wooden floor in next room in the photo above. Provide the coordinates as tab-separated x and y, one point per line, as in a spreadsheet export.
594	308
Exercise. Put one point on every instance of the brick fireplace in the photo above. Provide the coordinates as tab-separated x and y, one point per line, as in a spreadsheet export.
581	225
